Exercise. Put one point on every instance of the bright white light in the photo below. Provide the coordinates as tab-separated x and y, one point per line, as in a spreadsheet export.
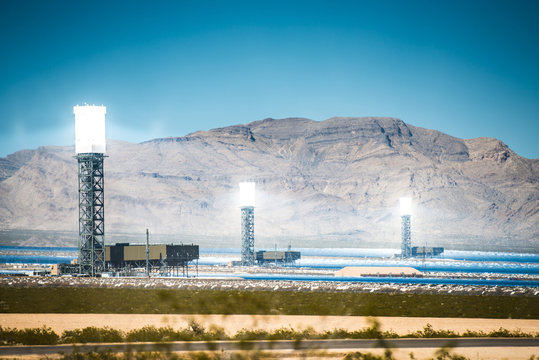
247	194
90	129
406	206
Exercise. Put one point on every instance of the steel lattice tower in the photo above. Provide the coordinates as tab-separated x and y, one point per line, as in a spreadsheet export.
406	235
91	214
90	147
248	235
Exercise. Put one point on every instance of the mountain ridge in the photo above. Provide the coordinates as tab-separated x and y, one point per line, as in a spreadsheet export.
338	179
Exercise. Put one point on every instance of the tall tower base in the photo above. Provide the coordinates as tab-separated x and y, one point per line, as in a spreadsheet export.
406	235
248	236
91	259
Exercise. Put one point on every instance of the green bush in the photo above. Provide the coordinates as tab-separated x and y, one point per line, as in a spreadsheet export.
474	333
8	336
92	335
35	336
368	356
153	334
39	336
195	332
372	332
215	333
291	334
247	334
506	333
445	354
429	332
367	333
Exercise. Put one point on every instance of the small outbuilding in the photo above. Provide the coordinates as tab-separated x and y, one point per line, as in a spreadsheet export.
382	271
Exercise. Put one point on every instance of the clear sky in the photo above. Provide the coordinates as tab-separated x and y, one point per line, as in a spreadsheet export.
168	68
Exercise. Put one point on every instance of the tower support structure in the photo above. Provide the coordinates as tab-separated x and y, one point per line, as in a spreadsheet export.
91	260
406	236
248	235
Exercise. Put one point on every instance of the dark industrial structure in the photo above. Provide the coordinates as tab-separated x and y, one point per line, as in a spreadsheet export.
425	251
406	248
277	257
90	147
406	235
166	258
247	205
247	235
91	214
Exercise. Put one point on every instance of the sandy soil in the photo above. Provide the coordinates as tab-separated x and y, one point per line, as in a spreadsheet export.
234	323
494	353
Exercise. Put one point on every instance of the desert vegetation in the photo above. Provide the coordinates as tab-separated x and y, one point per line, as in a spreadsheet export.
196	332
180	301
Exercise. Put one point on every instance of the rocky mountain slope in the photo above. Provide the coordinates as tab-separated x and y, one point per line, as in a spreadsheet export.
330	183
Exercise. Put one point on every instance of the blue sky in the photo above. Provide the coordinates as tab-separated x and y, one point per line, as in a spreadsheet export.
168	68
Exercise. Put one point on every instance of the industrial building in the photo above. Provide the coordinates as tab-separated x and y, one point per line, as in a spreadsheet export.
65	269
277	257
165	257
426	251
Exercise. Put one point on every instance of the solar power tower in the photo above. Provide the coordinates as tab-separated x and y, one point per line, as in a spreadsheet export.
247	204
90	147
406	233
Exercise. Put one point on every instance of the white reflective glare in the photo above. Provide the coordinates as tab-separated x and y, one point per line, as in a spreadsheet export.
406	206
90	129
247	194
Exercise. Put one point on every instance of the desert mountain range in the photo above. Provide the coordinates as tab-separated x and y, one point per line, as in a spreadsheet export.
330	183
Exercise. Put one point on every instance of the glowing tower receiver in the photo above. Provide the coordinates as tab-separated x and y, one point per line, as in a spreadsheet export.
406	234
90	129
247	204
90	146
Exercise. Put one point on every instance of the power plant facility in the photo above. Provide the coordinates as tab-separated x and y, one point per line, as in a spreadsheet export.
406	234
315	233
426	251
277	257
378	271
95	258
247	205
90	147
166	258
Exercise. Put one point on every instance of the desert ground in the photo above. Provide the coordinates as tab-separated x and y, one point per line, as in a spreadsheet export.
234	323
472	353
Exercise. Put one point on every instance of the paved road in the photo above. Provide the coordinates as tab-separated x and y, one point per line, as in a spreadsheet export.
271	345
